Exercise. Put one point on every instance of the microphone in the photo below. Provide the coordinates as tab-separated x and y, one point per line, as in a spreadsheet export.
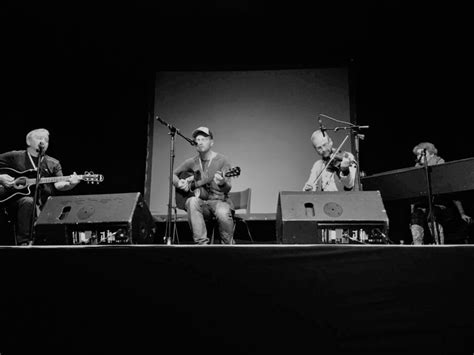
40	148
424	159
420	159
321	127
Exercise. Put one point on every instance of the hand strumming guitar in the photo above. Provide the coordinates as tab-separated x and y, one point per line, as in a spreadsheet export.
185	184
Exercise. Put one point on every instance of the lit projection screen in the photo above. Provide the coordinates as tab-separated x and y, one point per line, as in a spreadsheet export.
261	120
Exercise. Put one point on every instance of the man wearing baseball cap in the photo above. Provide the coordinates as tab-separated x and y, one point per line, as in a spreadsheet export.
200	181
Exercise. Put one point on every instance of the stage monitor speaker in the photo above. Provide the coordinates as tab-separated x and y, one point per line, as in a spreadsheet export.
122	218
301	214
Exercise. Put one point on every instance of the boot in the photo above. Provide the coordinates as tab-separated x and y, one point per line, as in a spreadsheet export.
417	233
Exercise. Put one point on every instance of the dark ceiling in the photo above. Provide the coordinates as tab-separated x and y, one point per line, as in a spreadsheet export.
94	62
236	33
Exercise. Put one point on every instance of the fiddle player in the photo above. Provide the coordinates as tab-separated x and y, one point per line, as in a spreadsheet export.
337	174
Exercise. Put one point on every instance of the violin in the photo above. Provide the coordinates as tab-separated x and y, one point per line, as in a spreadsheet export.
334	163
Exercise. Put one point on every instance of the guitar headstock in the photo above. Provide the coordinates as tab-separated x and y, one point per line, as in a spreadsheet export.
233	172
92	178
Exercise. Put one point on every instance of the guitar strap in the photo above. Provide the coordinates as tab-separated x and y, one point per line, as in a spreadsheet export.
32	161
209	164
204	170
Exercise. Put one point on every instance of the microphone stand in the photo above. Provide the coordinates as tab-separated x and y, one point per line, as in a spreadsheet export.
431	220
357	136
36	194
172	133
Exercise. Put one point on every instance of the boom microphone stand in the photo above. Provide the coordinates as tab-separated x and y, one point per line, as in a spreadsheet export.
35	196
355	130
172	132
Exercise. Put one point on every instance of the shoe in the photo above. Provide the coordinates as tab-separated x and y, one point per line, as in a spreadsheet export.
26	244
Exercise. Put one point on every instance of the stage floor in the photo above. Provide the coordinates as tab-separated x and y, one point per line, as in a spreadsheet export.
238	299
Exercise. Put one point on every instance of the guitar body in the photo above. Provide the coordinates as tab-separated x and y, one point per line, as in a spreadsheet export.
182	196
21	188
198	188
23	180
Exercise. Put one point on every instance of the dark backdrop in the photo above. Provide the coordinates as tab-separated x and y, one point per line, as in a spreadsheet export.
87	73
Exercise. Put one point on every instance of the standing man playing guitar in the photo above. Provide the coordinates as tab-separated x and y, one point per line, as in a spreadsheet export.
21	207
202	183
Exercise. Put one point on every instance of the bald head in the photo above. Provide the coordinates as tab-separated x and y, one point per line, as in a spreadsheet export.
318	138
322	143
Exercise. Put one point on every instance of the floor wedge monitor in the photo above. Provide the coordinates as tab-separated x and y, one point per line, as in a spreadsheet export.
301	216
122	218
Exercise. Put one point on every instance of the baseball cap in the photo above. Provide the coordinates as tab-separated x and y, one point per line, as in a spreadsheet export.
202	130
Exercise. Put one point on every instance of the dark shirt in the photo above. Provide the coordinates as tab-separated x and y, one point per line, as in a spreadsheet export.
20	161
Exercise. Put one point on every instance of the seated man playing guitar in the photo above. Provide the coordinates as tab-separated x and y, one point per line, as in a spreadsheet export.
20	206
202	185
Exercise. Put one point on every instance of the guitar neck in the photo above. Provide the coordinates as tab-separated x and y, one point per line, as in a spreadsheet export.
209	179
52	179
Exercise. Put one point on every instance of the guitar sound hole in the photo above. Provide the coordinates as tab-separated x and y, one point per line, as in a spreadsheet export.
20	182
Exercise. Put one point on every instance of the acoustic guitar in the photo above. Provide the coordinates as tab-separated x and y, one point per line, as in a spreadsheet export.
198	185
25	179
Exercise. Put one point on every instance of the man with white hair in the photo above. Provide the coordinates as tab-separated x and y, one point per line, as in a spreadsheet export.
335	171
21	207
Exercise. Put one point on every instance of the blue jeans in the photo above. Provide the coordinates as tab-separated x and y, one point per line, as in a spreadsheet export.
200	210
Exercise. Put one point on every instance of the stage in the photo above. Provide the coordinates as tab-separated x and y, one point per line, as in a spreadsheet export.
240	299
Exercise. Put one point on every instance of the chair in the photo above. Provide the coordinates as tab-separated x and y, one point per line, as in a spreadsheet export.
241	201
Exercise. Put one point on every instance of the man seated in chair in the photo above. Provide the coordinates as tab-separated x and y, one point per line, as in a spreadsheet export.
202	183
21	207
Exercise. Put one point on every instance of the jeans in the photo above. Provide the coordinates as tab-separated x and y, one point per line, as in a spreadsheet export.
419	221
200	210
21	210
